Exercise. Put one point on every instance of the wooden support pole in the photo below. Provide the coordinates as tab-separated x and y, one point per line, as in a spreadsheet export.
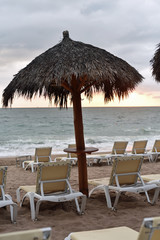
79	136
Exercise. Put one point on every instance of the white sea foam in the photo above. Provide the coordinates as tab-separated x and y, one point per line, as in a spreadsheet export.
21	130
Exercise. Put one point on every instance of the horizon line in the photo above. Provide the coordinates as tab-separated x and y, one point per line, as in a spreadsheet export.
82	107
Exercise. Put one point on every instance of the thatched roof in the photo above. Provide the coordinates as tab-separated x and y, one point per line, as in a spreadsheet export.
155	61
95	69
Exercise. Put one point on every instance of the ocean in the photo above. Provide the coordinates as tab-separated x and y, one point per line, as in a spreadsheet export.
24	129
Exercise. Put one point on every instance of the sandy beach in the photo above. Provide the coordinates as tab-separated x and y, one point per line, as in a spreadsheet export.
62	217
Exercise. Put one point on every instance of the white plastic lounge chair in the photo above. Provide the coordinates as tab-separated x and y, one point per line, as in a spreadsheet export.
41	155
153	179
119	149
150	230
21	159
52	185
125	177
139	148
154	154
6	199
70	156
35	234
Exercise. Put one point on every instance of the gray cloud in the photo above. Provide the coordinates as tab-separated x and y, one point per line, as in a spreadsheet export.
128	29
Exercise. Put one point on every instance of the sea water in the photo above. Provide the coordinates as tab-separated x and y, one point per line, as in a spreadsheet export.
24	129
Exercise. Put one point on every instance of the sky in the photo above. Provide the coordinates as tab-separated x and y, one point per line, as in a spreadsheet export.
129	29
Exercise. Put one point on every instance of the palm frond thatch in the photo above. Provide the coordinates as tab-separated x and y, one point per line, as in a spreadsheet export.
95	69
155	62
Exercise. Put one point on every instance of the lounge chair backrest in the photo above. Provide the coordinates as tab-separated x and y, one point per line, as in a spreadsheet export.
39	234
52	177
126	169
119	147
156	146
150	229
72	155
3	175
43	154
139	147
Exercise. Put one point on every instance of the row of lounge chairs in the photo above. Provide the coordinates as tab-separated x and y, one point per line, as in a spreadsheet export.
53	185
125	177
138	148
119	149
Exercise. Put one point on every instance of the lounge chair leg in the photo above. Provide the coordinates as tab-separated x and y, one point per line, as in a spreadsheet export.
116	199
98	161
98	187
77	206
26	167
156	158
107	195
13	212
18	195
109	160
147	196
22	164
32	167
156	195
88	163
83	204
37	208
32	207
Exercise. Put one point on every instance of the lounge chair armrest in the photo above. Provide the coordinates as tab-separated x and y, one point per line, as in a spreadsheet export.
24	157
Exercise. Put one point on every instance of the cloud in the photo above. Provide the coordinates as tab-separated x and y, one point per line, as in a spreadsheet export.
128	29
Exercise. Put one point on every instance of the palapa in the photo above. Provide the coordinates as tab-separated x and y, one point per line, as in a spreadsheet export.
69	69
155	61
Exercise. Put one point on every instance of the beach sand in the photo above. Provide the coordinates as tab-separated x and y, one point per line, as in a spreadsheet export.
62	217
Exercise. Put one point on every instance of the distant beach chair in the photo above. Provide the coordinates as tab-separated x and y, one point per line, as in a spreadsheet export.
21	159
139	148
125	177
70	156
73	157
41	155
52	185
6	199
35	234
150	230
118	149
155	152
